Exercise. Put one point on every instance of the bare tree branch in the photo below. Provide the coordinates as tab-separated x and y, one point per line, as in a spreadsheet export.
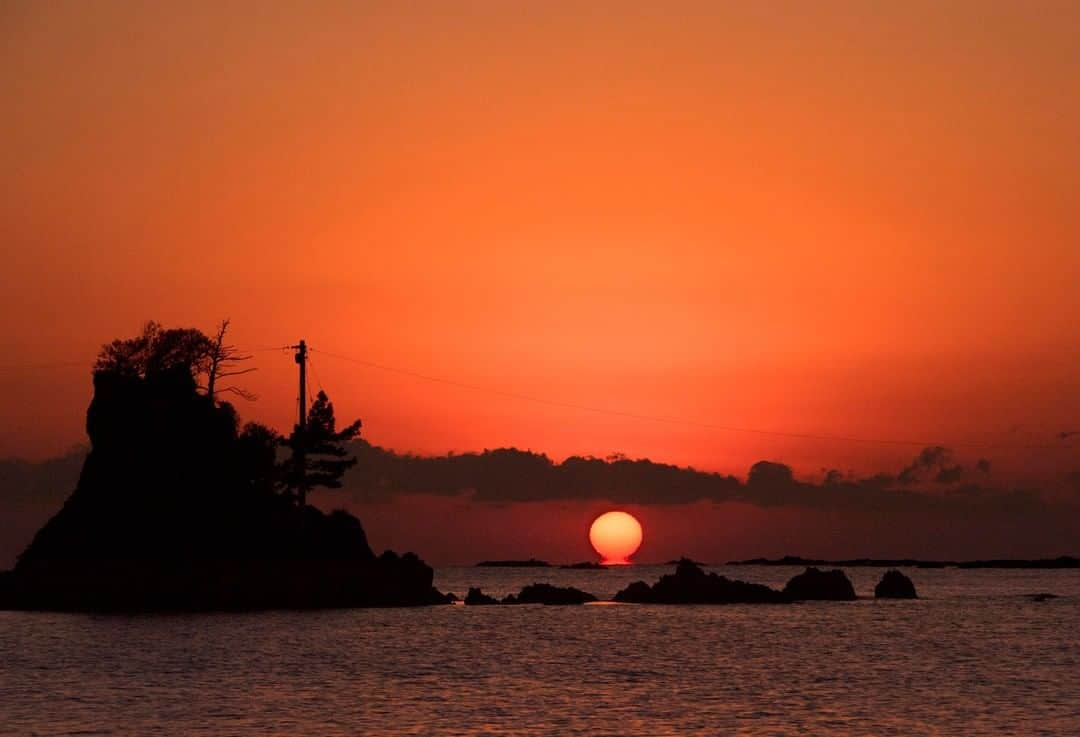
223	362
223	374
242	393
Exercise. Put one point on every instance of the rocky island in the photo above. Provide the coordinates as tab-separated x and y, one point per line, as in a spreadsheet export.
178	507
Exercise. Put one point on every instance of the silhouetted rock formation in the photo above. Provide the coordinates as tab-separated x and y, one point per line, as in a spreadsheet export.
587	565
691	585
530	563
817	585
1042	597
173	510
695	562
895	585
537	593
545	593
476	597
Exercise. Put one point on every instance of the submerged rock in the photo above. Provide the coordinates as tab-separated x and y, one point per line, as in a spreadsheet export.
1042	596
895	585
476	597
814	584
545	593
691	585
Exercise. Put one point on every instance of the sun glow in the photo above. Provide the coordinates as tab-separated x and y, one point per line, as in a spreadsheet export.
615	536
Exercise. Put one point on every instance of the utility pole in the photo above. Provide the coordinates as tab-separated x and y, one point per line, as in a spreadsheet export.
301	358
298	452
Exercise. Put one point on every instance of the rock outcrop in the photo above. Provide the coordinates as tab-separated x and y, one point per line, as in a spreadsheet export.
814	584
691	585
476	597
895	585
537	593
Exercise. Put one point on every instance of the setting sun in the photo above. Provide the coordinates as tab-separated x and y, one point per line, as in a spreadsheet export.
615	536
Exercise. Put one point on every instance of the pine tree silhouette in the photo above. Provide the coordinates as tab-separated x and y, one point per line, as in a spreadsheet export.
318	458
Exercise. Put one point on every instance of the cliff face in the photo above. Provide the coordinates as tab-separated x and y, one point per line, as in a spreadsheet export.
170	513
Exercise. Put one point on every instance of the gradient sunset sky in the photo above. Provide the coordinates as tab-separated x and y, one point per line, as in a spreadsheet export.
838	218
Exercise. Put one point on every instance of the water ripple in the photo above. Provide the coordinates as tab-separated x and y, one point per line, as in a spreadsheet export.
972	658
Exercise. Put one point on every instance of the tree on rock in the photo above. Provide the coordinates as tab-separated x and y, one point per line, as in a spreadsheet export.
158	349
256	456
318	455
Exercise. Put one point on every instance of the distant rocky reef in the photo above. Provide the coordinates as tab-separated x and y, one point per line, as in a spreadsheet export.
530	563
1064	561
537	593
536	563
691	585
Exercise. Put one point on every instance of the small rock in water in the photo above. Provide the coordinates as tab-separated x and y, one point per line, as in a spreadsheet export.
895	585
476	597
814	584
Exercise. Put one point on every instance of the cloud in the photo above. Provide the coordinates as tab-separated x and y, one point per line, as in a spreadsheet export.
934	462
949	475
30	493
510	475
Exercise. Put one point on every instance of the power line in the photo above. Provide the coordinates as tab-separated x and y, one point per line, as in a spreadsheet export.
315	371
592	409
674	420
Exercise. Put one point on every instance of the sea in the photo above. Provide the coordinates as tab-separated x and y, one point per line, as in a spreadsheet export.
976	654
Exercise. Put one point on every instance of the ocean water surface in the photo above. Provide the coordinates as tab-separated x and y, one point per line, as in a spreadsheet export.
974	656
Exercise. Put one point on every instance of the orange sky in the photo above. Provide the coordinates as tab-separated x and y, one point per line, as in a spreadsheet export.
849	219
